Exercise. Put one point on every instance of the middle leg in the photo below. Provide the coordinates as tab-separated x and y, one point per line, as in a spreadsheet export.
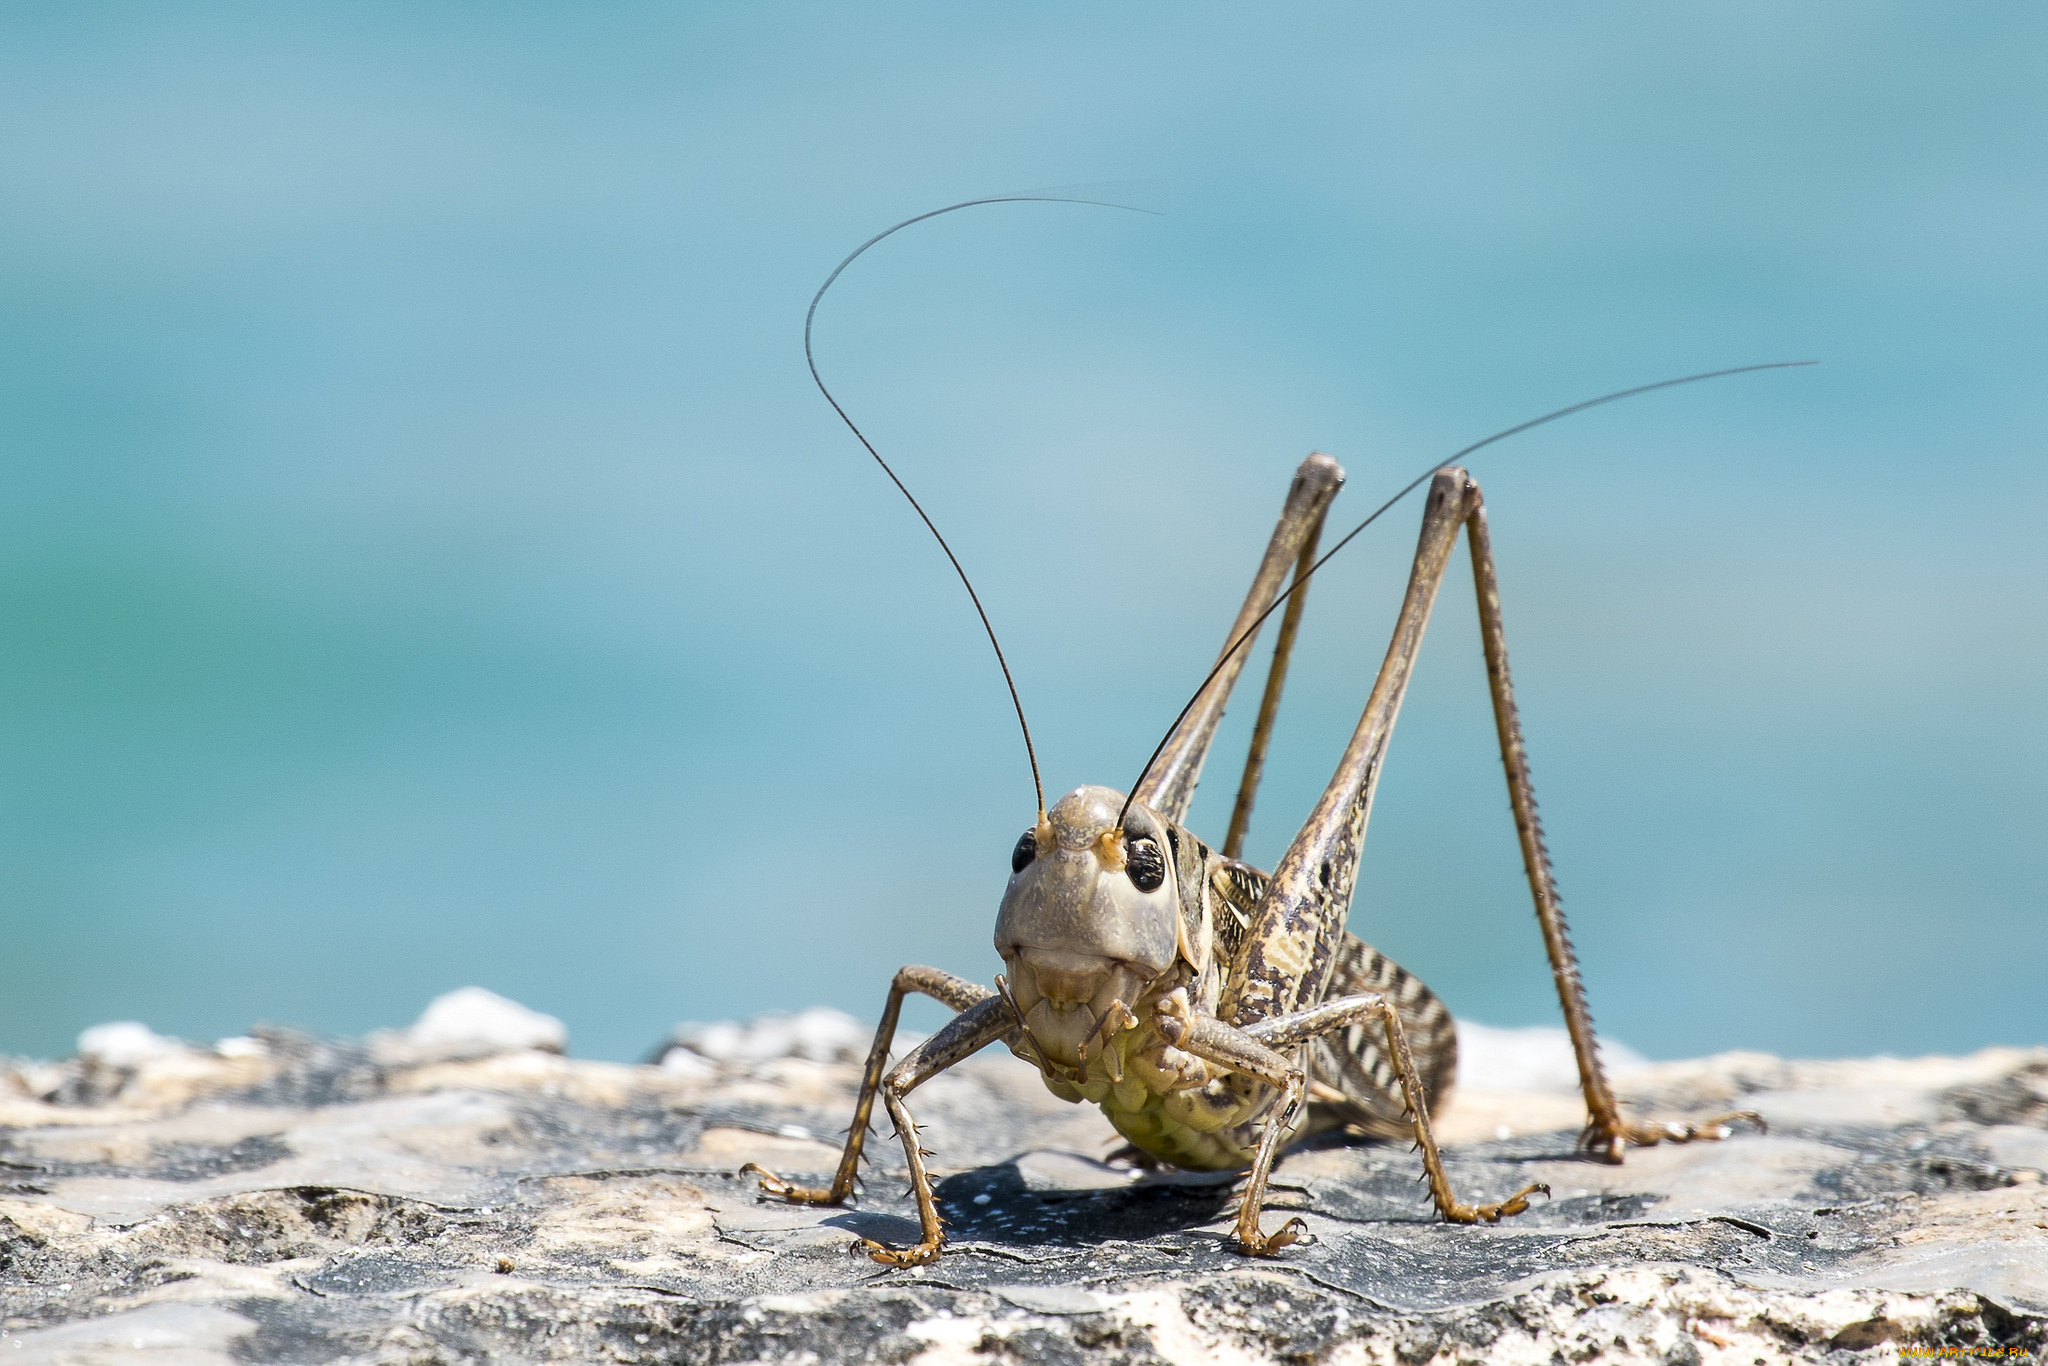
1255	1051
1345	1011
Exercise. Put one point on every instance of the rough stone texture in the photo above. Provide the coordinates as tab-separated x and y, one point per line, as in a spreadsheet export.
294	1199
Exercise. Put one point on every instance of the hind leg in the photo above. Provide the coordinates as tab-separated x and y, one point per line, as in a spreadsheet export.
1606	1134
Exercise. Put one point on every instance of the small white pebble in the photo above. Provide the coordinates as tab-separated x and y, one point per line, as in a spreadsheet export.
474	1016
126	1043
982	1199
682	1062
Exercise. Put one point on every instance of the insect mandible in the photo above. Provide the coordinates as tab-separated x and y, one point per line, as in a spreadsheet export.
1215	1012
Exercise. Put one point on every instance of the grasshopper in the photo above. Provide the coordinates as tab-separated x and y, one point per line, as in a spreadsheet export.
1215	1012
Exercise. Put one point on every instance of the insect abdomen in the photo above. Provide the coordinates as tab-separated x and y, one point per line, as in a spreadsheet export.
1151	1129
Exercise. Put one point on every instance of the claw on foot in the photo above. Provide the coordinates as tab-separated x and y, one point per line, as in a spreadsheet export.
1517	1203
927	1251
1718	1126
1609	1144
1513	1205
771	1184
1258	1245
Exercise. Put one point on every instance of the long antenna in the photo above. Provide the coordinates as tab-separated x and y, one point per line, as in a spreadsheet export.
1406	489
810	316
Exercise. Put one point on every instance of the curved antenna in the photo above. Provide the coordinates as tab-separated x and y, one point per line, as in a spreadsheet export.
810	316
1406	489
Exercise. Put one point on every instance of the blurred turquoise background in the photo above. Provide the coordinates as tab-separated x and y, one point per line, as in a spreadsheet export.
423	559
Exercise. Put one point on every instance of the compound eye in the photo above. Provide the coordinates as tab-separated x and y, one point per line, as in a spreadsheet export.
1026	850
1144	864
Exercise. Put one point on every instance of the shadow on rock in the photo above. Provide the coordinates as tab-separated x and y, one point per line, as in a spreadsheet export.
997	1205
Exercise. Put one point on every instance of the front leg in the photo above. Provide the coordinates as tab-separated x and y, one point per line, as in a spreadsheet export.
956	992
965	1034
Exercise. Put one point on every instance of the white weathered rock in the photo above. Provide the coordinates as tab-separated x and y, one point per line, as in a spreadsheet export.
471	1017
126	1043
240	1046
819	1034
1533	1058
685	1062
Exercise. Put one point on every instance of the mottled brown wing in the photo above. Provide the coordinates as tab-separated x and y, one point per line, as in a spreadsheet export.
1354	1060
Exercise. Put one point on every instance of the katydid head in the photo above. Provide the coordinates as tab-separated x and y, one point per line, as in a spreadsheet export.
1090	918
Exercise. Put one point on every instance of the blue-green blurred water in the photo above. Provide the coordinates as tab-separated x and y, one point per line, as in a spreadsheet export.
422	559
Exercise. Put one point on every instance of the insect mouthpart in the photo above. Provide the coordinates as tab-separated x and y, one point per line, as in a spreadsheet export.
1090	920
1068	1002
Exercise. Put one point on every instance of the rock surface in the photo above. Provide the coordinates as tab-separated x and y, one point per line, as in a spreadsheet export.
411	1199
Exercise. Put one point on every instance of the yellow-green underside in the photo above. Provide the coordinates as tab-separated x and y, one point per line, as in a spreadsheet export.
1147	1118
1150	1129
